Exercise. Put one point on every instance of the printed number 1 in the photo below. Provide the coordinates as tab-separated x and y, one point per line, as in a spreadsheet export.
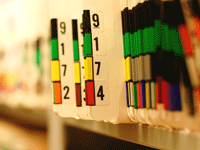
63	52
97	43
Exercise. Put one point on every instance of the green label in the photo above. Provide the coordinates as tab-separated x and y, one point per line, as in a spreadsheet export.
88	44
54	49
76	50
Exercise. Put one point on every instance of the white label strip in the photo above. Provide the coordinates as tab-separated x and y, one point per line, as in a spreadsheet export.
66	61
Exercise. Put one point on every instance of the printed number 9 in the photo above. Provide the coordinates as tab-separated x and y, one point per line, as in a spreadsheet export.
63	27
95	18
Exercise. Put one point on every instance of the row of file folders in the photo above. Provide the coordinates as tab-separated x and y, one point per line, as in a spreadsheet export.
126	61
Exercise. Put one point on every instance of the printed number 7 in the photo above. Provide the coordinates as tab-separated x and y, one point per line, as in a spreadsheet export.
98	67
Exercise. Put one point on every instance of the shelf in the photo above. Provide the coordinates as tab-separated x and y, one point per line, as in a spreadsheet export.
22	115
151	136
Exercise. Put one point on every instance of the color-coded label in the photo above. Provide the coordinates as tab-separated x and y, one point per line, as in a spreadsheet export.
131	91
76	50
88	59
87	44
90	97
88	68
66	58
77	69
57	93
78	94
55	70
77	73
143	96
147	91
139	95
128	68
54	49
127	95
135	95
153	95
165	91
175	101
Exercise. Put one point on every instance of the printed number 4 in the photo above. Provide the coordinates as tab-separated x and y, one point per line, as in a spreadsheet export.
100	93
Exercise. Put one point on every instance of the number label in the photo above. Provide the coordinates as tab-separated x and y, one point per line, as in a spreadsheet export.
63	27
95	18
102	93
99	46
65	68
67	92
98	67
97	43
63	49
84	95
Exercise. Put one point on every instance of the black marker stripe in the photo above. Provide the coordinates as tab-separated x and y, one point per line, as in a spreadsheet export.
54	32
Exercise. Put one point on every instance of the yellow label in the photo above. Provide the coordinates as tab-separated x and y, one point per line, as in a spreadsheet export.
147	95
55	70
128	68
88	68
77	73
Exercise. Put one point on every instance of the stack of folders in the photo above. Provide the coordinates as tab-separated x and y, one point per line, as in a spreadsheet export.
126	61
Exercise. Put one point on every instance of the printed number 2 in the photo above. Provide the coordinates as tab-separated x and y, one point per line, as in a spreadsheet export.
66	87
100	92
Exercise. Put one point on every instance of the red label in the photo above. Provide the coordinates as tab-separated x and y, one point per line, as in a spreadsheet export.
90	97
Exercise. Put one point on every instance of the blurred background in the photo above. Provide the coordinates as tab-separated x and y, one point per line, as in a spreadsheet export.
25	74
26	117
27	120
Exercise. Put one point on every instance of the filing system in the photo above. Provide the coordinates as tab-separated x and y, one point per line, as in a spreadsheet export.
126	61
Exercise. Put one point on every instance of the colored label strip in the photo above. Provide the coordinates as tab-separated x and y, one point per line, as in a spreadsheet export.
55	64
77	71
88	59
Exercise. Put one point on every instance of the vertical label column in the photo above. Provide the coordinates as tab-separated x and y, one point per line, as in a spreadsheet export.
39	84
101	61
66	61
88	60
55	64
77	71
127	57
